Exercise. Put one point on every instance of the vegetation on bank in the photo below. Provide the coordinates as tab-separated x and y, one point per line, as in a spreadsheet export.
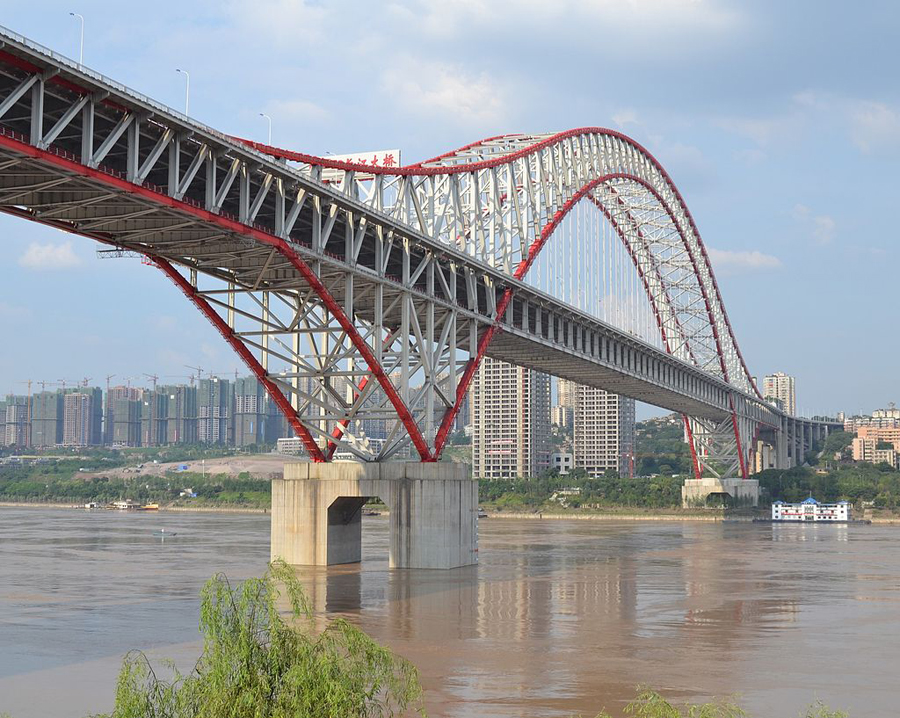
659	448
659	492
862	484
62	482
263	658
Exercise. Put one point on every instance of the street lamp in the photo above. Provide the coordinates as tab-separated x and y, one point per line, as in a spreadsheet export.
81	43
187	89
263	114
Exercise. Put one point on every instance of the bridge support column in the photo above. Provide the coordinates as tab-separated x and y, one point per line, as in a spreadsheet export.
317	510
737	493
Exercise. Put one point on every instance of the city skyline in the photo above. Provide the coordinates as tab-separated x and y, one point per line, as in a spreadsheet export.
720	154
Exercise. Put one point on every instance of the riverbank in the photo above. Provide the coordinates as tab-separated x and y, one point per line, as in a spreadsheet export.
162	509
542	515
708	517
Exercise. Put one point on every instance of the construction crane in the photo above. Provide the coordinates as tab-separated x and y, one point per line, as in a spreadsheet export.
153	378
199	371
85	381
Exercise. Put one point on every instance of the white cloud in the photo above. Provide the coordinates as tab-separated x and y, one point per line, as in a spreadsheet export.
50	256
874	127
686	164
750	157
651	18
760	130
443	90
164	322
280	22
625	117
822	227
13	311
742	261
300	111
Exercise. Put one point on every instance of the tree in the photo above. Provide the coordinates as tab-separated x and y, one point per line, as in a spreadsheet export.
257	664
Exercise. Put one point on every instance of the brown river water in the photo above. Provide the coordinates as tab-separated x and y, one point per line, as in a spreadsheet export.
560	617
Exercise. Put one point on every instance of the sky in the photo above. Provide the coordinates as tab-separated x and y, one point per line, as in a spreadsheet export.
779	122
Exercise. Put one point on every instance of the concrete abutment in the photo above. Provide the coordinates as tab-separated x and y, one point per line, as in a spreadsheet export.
317	513
740	492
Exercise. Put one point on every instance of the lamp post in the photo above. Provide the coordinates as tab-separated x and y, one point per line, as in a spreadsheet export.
81	41
187	89
263	114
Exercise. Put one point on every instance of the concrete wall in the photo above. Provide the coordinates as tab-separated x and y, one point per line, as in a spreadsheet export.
316	513
694	493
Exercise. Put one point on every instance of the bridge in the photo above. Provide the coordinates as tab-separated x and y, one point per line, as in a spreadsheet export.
358	291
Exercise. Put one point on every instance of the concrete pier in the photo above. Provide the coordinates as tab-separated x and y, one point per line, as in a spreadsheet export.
742	492
317	513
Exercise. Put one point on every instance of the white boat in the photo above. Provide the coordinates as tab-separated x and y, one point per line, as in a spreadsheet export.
811	510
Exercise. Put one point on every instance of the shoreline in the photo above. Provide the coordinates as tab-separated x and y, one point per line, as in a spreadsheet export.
162	509
612	517
539	516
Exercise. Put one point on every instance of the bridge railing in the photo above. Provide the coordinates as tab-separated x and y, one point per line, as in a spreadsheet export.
140	97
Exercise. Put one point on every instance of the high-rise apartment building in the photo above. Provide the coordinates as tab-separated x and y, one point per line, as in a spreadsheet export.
603	432
122	426
213	411
250	412
15	422
47	419
563	412
780	388
510	421
173	413
78	419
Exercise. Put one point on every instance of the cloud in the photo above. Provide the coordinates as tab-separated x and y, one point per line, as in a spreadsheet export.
281	22
625	117
50	256
13	312
742	261
822	227
165	322
444	90
750	157
874	127
650	18
297	111
686	164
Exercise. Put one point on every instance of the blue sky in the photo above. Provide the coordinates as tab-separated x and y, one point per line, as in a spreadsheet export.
779	122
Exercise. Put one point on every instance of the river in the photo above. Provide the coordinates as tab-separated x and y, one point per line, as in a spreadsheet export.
560	617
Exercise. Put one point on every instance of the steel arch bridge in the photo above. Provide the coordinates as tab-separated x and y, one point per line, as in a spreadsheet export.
357	292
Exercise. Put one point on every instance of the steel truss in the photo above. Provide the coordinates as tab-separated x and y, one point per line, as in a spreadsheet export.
358	293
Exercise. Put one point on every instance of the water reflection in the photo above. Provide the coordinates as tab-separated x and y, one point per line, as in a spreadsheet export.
559	618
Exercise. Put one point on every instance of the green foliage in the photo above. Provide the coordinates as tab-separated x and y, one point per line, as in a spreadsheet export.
659	448
851	482
650	704
63	482
611	490
258	664
820	710
837	441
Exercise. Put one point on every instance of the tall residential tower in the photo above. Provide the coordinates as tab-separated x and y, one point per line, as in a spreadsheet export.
510	421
